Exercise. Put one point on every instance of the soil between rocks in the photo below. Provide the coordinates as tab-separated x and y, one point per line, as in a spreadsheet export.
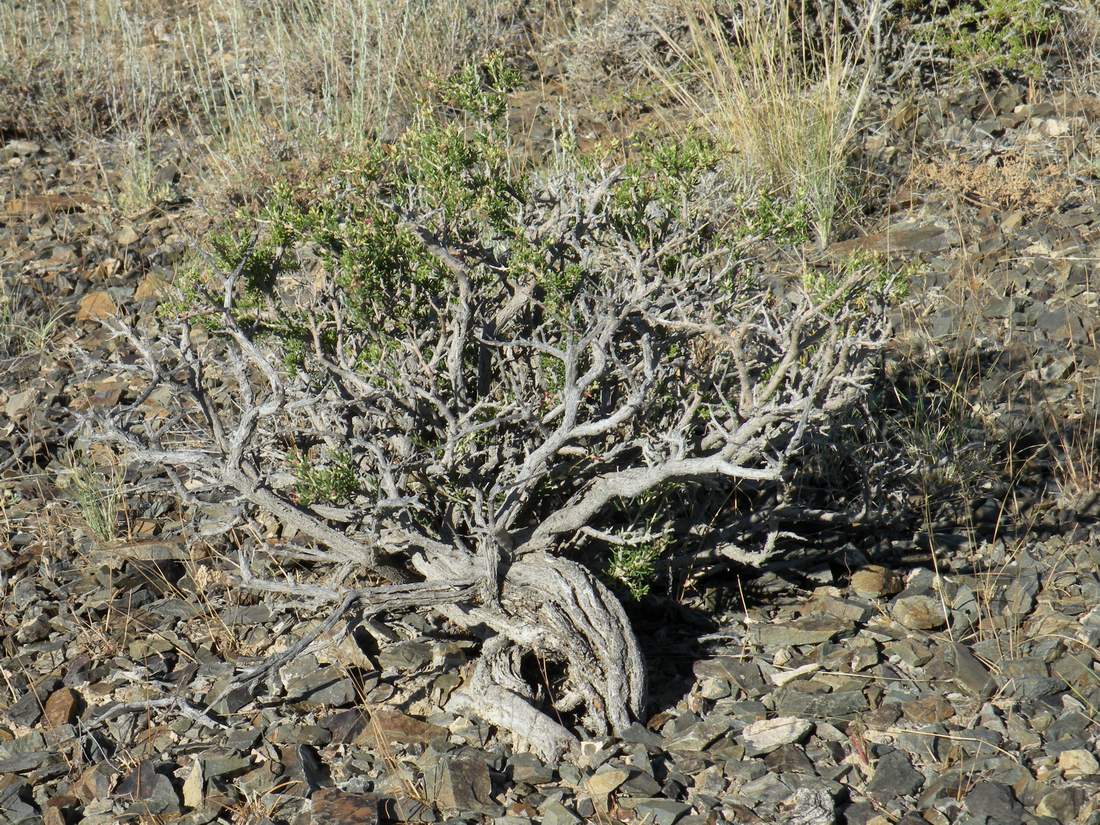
948	676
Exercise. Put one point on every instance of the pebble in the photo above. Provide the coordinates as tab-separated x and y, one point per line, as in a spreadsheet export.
768	734
1077	763
918	612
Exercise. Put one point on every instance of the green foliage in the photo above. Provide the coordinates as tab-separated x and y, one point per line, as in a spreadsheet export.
993	36
780	220
884	279
480	90
332	483
635	566
370	240
662	174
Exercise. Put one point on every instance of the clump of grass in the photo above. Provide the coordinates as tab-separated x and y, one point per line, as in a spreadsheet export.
785	105
22	330
98	494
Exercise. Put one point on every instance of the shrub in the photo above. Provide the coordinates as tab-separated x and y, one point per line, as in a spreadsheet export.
1005	37
513	367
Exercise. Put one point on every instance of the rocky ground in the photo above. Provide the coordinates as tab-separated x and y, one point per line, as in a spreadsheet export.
949	675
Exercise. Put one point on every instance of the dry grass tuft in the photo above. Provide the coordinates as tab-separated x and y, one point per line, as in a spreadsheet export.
788	109
98	492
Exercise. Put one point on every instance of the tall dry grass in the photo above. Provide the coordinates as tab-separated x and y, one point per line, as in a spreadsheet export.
781	90
253	79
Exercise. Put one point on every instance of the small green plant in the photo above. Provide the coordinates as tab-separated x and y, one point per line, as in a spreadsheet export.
22	330
783	220
98	494
1005	37
334	483
884	279
635	566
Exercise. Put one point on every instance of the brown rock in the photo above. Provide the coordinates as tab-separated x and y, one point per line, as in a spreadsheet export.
54	812
398	728
928	711
95	783
333	807
900	238
919	613
193	786
62	708
46	204
462	784
127	236
151	288
875	581
96	306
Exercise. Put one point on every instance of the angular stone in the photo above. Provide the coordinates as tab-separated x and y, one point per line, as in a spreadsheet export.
409	655
303	771
151	287
529	768
127	236
918	612
23	762
640	783
1030	688
1062	804
875	581
14	806
462	784
245	615
929	710
334	807
194	787
28	709
94	783
217	766
19	148
554	813
289	733
842	704
787	759
96	306
62	707
970	673
768	734
396	727
894	777
1077	763
996	802
699	735
894	240
148	789
658	811
606	780
327	686
231	702
746	675
806	630
767	789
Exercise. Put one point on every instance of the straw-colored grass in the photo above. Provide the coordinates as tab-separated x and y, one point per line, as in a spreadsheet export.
255	80
787	109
